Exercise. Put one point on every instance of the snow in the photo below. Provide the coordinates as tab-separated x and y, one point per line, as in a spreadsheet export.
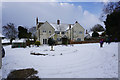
100	33
5	40
14	41
1	35
18	40
61	27
52	35
76	61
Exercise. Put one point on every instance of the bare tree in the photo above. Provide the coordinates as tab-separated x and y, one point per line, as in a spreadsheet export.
97	27
109	8
33	31
9	31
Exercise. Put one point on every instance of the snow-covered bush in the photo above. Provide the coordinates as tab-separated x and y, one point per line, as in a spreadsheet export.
95	34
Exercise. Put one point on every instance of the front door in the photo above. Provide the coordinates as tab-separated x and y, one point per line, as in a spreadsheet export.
44	41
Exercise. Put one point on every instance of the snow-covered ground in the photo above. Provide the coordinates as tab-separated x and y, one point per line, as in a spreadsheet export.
77	61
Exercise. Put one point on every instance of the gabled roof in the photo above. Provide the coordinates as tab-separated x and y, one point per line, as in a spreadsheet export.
61	27
40	23
52	35
79	24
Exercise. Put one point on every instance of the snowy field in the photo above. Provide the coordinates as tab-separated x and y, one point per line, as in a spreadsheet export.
77	61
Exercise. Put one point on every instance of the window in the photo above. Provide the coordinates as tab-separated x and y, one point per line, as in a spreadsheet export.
57	32
44	31
49	31
80	32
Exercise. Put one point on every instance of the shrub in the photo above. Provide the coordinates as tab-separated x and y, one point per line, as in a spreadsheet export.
95	34
51	41
37	43
64	41
28	42
103	34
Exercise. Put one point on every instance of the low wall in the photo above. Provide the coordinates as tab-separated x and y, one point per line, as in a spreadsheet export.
84	42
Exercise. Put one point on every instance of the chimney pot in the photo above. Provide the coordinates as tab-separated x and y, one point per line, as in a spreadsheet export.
36	20
76	22
86	32
70	26
58	22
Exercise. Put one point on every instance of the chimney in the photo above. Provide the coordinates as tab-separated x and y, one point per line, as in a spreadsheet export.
58	22
76	22
36	20
69	26
86	32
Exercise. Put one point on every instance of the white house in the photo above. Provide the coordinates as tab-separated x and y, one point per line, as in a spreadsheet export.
45	30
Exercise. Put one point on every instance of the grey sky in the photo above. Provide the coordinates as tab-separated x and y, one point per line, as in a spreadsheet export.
24	13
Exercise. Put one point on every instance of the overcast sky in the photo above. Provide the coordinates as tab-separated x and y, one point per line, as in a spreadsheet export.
25	13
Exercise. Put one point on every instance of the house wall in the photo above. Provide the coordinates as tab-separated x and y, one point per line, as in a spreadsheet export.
77	32
44	32
69	34
0	53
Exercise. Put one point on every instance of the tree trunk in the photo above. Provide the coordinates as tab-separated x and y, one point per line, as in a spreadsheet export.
51	48
11	41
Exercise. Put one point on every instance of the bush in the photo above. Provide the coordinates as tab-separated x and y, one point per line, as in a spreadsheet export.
51	41
103	34
37	43
28	42
95	34
64	41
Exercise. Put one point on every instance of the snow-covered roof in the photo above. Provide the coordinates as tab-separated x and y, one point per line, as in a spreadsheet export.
5	40
19	40
52	35
98	33
87	36
1	35
61	27
71	26
90	33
